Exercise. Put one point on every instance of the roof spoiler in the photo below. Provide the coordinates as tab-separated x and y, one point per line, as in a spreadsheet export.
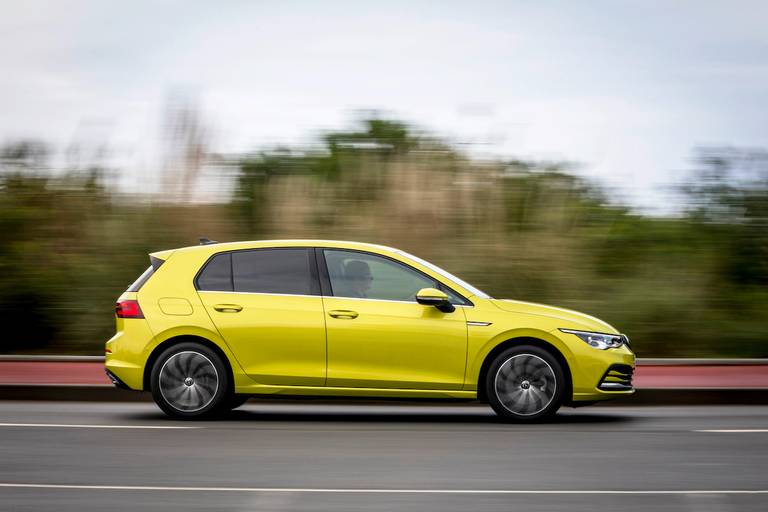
206	241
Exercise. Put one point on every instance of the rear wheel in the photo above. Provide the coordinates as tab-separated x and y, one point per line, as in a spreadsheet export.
189	380
525	383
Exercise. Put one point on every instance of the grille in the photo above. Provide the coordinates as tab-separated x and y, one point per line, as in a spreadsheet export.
617	378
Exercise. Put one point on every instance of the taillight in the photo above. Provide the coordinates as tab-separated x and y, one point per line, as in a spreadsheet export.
128	309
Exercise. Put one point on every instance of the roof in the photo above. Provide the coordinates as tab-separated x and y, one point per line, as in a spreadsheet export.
250	244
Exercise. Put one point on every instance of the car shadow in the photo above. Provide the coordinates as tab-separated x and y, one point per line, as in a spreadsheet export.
255	411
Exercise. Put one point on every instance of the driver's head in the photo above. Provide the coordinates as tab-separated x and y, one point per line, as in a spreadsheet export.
358	275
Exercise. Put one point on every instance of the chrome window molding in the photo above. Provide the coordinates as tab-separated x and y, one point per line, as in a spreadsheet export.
324	297
262	293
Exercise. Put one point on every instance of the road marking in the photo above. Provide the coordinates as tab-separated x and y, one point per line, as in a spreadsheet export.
368	491
735	430
62	425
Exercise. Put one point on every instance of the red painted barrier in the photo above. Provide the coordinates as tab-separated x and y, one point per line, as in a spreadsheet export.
49	372
646	376
701	376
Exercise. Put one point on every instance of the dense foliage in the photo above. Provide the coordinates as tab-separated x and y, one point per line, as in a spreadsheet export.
693	283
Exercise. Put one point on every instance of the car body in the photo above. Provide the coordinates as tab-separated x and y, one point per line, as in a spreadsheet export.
330	318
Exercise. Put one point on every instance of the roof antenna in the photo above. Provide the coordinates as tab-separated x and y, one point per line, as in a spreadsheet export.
206	241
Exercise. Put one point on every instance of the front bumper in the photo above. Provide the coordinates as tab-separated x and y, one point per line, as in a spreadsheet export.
601	374
618	377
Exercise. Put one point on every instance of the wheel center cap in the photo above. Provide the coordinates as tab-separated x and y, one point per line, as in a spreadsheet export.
188	381
525	384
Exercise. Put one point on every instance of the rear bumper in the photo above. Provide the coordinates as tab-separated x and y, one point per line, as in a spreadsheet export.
116	380
124	375
126	353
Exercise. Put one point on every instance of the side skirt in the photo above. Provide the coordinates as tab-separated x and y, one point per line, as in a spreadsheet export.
312	391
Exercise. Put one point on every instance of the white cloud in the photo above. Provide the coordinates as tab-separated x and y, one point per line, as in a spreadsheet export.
626	89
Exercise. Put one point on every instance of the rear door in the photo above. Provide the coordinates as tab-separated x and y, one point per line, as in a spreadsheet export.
266	305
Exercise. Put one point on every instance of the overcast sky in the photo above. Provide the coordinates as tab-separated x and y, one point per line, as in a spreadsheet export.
625	88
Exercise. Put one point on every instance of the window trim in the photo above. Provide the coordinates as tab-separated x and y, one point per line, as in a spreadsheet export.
136	285
327	290
314	282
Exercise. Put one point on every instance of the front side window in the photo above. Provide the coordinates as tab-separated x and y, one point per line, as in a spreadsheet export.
367	276
280	271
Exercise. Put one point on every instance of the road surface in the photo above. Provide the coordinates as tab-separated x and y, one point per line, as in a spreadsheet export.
311	457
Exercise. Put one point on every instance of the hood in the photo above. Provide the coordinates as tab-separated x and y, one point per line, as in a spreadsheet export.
570	319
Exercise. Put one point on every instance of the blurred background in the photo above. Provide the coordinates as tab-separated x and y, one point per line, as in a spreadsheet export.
608	157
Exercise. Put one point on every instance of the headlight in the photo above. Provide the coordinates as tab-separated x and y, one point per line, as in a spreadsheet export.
598	340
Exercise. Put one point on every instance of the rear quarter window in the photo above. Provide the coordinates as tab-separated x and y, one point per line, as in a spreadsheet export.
144	277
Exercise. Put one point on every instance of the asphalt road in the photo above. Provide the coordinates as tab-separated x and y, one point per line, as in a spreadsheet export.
308	457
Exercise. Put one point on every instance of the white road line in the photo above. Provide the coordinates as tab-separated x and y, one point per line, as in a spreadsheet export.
63	425
368	491
735	430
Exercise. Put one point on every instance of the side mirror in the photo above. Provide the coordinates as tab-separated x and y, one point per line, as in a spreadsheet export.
436	298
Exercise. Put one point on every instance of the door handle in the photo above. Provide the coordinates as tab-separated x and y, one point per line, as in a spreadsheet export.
228	308
343	313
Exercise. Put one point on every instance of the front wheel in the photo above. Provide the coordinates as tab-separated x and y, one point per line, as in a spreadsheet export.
525	383
190	381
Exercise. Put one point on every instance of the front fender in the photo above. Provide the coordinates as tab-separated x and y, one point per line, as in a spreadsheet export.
479	346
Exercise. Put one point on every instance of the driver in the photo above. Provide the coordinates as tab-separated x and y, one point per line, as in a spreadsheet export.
358	276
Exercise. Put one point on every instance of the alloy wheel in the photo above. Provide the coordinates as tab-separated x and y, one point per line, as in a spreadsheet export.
188	381
525	384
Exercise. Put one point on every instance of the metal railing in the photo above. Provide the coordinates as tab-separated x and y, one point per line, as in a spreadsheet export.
640	361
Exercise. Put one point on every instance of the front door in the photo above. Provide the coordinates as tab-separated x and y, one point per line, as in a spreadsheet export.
379	336
266	305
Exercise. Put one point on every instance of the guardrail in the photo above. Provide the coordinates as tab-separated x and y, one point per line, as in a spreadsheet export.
699	362
657	381
643	361
52	358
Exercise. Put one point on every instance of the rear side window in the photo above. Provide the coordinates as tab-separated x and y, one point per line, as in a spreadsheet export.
217	274
285	271
272	271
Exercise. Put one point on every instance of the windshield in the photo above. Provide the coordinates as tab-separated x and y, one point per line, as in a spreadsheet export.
447	275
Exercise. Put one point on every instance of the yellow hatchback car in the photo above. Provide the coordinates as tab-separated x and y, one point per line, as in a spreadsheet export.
206	327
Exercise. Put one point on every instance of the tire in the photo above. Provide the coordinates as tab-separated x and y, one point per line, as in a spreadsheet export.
525	383
190	381
237	400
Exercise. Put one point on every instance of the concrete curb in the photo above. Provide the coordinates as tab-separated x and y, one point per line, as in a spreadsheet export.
695	396
648	396
67	393
645	361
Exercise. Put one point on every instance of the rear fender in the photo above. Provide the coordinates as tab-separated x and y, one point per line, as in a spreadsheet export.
168	336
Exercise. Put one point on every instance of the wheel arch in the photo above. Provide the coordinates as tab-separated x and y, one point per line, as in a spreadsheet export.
185	338
518	341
